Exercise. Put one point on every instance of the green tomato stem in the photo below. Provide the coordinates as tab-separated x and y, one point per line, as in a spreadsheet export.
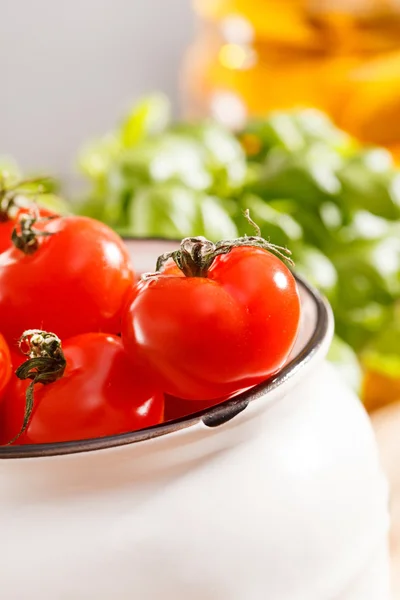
196	254
46	364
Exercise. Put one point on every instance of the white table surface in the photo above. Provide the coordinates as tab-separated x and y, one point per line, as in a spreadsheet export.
386	423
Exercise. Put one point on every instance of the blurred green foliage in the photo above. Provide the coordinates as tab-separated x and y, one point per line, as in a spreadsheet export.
308	185
37	188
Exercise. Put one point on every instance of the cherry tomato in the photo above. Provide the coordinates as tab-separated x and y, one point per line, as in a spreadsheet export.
75	281
6	229
5	365
16	359
229	327
101	393
177	408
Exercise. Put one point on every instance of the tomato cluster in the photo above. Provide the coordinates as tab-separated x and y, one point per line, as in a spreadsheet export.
88	350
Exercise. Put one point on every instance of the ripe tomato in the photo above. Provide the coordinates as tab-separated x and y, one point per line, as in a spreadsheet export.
6	229
177	408
100	393
75	281
226	321
5	365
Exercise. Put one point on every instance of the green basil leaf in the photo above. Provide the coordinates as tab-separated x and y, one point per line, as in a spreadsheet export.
150	116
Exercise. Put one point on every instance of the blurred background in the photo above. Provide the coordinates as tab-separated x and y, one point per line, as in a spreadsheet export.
169	118
68	70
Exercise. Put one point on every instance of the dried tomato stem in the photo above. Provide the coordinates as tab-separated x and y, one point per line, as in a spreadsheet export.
46	364
250	221
196	255
25	236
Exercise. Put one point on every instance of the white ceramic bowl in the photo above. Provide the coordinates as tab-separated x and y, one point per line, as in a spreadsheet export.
276	494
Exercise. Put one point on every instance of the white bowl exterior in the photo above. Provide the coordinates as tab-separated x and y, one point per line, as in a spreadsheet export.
287	502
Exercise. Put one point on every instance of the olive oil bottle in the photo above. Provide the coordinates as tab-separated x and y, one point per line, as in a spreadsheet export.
342	56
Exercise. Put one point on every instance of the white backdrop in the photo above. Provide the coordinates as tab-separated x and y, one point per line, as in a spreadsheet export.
68	69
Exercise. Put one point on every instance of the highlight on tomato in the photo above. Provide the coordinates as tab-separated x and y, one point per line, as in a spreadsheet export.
66	274
86	387
224	320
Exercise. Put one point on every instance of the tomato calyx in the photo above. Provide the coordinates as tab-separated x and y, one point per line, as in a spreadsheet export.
10	194
194	257
45	364
196	254
25	236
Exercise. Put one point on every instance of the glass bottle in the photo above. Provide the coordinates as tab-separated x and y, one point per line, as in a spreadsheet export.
342	56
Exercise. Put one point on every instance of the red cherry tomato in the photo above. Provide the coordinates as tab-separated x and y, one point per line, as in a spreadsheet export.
101	393
16	359
228	328
5	365
177	408
6	229
76	281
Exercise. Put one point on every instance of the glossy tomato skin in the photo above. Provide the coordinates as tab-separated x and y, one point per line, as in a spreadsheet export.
16	360
75	282
209	337
5	366
101	393
178	408
6	229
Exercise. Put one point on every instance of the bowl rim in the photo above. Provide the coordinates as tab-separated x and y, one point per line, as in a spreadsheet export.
211	417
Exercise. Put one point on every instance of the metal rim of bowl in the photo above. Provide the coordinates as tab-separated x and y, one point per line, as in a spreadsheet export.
211	417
